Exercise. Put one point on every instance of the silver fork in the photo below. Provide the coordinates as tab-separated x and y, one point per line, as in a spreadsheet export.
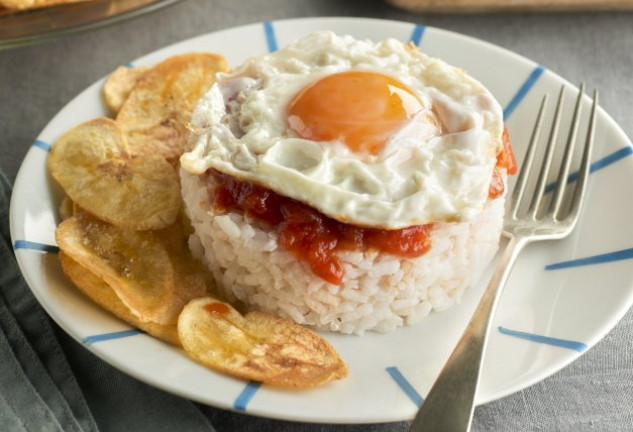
449	405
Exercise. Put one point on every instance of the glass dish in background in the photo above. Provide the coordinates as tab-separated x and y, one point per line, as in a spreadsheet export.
38	25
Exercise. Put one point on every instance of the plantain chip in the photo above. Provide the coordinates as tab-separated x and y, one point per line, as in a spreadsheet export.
155	115
135	264
91	162
101	293
119	84
193	280
258	346
66	208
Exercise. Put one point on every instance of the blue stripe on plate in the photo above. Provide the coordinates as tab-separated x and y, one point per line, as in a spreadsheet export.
89	340
563	343
612	158
247	394
591	260
405	385
523	90
418	34
25	244
597	165
43	145
271	39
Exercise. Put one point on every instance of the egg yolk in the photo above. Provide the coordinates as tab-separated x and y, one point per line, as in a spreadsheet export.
360	108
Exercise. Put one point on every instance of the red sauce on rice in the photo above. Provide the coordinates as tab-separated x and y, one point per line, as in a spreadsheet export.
309	235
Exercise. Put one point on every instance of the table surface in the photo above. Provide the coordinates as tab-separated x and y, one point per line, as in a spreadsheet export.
37	81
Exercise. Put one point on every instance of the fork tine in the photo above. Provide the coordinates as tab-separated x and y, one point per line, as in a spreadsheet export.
547	160
559	191
583	173
522	178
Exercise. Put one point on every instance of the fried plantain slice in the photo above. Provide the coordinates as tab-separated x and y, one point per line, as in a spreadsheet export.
155	115
119	84
92	163
103	295
66	208
135	264
193	280
258	346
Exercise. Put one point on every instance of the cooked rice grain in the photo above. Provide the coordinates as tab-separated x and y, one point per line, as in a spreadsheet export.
379	291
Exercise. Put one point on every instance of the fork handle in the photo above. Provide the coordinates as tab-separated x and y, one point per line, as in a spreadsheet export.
450	403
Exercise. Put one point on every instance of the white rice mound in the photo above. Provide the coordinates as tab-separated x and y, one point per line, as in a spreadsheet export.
379	292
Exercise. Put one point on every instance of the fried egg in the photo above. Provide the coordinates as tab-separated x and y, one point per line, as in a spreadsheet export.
372	134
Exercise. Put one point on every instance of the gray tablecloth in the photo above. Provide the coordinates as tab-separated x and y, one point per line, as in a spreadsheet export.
49	382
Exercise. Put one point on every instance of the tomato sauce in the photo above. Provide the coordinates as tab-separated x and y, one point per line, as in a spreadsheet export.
309	235
505	160
219	309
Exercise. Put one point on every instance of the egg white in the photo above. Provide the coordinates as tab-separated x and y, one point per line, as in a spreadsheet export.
425	173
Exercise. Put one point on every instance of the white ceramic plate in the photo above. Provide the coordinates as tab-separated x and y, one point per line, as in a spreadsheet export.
546	319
